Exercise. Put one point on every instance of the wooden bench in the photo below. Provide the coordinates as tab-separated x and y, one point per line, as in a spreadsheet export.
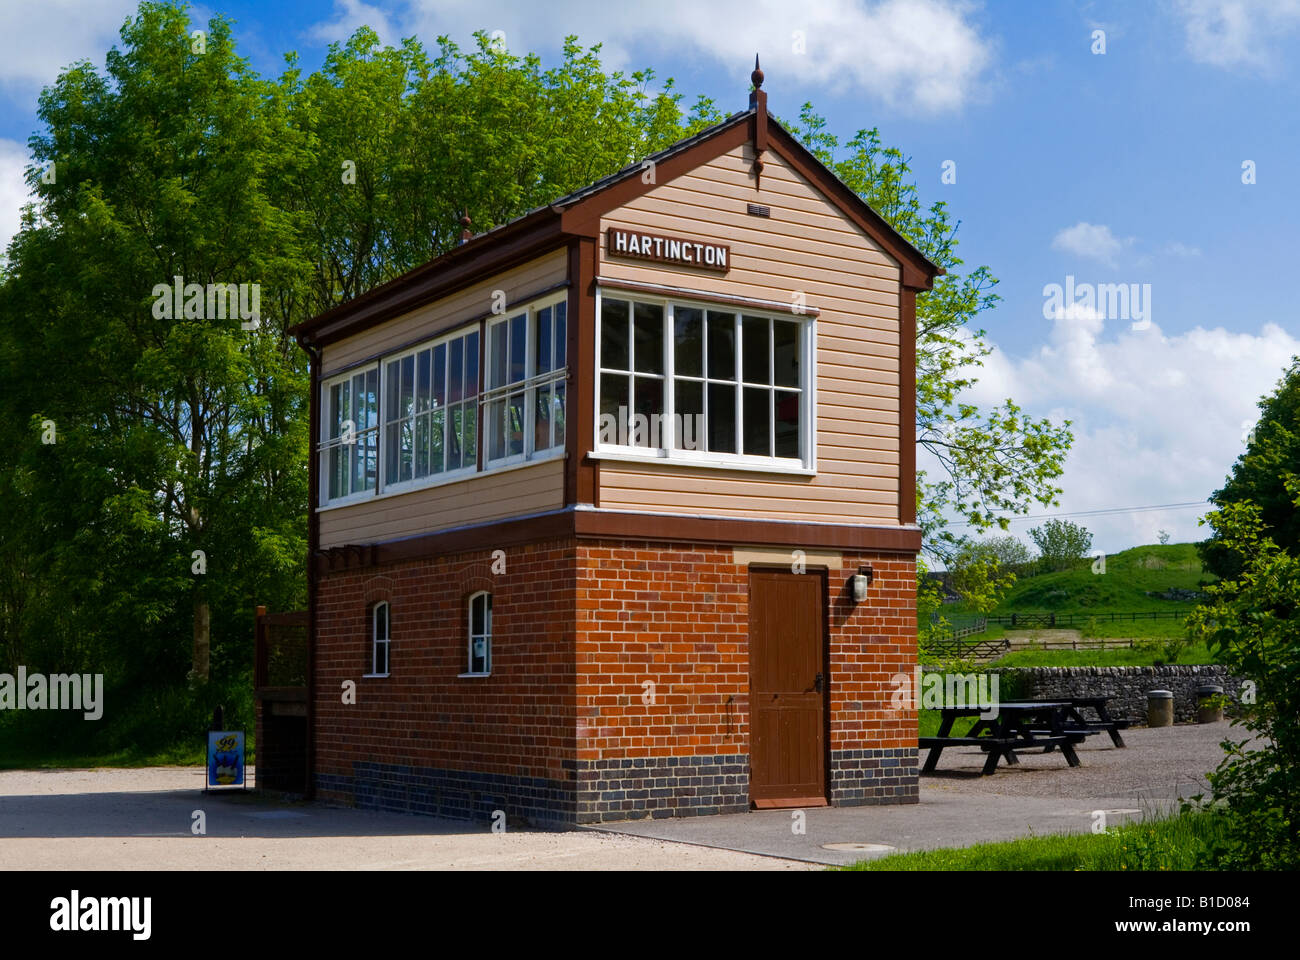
997	748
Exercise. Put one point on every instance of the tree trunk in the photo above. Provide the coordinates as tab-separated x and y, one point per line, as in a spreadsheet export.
202	637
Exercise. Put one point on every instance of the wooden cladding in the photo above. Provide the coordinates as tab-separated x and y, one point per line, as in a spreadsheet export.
639	245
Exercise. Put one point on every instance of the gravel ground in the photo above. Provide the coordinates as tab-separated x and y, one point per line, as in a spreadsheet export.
140	819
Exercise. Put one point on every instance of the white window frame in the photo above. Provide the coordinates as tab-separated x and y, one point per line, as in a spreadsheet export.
805	464
325	444
529	385
376	642
485	636
389	485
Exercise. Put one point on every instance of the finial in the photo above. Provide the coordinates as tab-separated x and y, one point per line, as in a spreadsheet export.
757	76
465	232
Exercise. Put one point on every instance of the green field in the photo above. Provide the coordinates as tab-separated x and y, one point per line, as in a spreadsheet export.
1112	657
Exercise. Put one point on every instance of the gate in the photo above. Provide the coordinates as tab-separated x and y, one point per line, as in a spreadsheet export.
280	686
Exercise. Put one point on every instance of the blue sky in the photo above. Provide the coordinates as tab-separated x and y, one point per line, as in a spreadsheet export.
1122	167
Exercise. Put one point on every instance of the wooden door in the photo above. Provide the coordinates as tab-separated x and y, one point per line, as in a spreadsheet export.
787	671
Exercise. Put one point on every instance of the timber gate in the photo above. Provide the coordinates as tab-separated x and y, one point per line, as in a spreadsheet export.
280	686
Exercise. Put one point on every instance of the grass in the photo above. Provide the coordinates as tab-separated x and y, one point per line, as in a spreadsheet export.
1176	843
1110	657
1123	588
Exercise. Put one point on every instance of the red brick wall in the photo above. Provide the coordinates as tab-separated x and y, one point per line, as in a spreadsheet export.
517	722
678	616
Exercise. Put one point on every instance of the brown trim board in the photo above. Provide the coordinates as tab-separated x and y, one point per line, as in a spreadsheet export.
907	406
615	525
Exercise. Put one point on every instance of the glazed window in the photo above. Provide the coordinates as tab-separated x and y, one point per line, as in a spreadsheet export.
379	640
430	411
524	399
706	384
480	635
349	443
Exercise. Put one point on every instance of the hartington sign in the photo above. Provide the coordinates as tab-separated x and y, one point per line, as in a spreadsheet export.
651	246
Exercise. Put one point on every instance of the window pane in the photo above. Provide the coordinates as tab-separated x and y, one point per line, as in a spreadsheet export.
561	333
393	381
471	364
467	431
406	402
515	420
422	445
477	615
689	415
785	360
613	405
405	458
648	329
497	360
613	334
372	398
649	409
456	370
393	450
438	440
423	387
371	451
440	375
542	352
758	422
496	413
336	472
542	418
722	418
557	412
688	341
518	347
754	342
787	424
722	346
358	466
336	411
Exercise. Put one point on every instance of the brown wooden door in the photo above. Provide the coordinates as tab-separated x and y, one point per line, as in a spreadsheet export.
787	668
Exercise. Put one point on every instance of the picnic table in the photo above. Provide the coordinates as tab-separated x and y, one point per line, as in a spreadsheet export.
1077	722
1019	725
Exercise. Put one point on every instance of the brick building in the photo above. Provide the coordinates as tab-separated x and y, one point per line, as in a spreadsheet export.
614	503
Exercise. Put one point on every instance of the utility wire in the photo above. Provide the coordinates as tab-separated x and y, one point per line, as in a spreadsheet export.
1109	511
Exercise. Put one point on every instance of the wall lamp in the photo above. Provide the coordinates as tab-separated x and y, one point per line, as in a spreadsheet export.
859	582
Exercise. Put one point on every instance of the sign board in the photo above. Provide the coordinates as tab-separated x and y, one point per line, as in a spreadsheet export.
639	245
226	758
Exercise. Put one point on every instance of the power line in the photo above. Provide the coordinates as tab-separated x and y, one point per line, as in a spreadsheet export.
1109	511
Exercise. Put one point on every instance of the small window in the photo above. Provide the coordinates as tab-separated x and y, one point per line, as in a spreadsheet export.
480	634
379	640
349	441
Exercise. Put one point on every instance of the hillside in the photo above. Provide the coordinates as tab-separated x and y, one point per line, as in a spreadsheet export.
1123	588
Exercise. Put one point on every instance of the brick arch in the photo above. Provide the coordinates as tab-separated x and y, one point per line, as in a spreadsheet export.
377	589
476	583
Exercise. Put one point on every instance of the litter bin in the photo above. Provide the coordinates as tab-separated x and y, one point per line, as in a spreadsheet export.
1160	708
1208	711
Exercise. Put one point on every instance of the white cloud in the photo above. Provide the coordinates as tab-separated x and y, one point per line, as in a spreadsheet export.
1157	419
1178	249
350	14
1237	33
48	36
1090	241
923	54
13	189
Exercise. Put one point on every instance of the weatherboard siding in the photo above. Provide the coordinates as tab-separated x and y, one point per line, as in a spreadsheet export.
806	245
491	496
443	315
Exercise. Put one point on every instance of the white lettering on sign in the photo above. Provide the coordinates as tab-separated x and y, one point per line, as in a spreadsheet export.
631	243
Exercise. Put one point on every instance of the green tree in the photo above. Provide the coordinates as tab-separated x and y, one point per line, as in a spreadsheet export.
1272	453
1061	544
1252	621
